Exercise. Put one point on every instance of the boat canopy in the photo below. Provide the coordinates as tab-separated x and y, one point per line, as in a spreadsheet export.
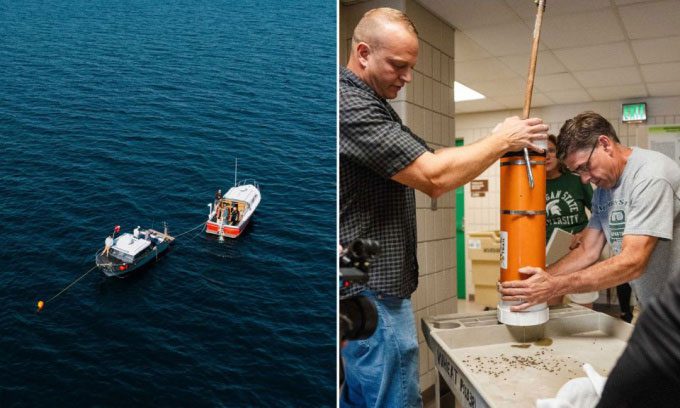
130	245
245	193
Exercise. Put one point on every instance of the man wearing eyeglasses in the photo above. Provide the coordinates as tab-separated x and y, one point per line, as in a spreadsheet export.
636	208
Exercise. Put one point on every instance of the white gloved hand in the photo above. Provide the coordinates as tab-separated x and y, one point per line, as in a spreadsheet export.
595	377
582	392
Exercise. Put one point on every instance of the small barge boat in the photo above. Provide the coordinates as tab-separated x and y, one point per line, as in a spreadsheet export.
230	213
128	252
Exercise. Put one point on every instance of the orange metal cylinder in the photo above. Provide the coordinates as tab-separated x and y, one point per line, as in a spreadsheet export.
522	216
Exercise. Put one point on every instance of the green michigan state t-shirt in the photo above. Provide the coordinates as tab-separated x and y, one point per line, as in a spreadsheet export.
565	201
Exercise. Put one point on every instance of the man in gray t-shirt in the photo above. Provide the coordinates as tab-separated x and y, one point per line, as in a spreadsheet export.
644	202
636	209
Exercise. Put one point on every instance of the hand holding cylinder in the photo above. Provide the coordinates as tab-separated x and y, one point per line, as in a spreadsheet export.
517	134
538	288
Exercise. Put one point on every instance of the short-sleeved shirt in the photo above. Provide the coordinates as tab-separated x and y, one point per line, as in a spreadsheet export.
644	201
566	199
374	146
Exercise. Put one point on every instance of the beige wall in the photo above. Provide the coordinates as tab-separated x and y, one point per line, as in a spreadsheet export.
481	213
426	106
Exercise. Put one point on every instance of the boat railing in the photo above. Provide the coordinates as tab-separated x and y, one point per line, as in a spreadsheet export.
248	181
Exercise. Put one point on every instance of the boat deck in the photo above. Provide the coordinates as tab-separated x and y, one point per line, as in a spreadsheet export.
168	237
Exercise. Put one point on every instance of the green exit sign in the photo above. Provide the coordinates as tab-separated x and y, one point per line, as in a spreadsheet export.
634	112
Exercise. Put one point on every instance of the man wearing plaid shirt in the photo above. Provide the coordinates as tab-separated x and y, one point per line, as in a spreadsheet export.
381	163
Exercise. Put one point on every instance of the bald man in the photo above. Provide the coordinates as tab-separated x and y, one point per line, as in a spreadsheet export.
381	163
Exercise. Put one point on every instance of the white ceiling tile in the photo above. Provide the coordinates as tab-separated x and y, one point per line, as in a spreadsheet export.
570	96
661	72
466	49
500	87
466	14
478	106
556	82
649	20
539	99
480	70
657	50
624	2
527	9
546	63
506	39
583	29
595	57
617	92
664	88
517	100
609	77
590	49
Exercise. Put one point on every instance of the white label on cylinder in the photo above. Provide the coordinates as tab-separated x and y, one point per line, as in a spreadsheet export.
504	249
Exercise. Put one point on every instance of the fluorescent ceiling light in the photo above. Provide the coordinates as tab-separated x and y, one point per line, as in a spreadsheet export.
463	93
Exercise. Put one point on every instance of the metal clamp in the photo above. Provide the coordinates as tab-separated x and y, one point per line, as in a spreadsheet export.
522	162
530	174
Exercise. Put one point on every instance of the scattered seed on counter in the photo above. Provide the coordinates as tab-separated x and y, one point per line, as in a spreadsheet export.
542	360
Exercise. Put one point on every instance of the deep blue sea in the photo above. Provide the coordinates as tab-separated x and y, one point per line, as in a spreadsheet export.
132	113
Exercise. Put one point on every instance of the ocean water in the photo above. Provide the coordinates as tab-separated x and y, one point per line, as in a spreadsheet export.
132	113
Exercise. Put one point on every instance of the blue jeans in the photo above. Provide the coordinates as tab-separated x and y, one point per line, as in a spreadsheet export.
382	371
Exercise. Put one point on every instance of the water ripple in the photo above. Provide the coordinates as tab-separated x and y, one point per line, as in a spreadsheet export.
132	114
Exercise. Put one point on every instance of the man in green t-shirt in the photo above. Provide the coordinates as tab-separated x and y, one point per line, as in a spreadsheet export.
566	198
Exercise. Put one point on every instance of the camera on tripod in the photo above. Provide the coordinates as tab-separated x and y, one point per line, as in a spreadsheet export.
358	315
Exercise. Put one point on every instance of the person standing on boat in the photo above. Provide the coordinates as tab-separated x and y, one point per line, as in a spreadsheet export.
234	216
108	243
382	162
218	210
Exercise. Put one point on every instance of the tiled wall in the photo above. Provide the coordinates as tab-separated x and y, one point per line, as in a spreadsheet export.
426	106
481	214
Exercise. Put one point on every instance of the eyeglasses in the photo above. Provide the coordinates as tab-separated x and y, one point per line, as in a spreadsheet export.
585	167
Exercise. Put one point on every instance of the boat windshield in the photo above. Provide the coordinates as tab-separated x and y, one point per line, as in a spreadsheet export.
115	253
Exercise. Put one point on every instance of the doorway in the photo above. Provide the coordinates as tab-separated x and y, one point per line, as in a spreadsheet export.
460	237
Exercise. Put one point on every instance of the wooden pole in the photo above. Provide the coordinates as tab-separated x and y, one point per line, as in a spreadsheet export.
533	59
530	80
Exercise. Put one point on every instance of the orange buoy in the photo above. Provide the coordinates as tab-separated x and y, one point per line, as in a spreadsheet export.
522	215
41	304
